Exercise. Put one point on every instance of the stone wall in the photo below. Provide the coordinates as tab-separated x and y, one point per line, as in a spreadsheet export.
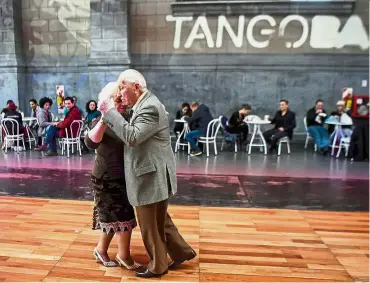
56	28
259	69
223	61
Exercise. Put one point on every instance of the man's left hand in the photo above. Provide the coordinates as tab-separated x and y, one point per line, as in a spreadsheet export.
281	129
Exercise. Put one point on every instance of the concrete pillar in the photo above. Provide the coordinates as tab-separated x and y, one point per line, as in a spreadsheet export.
109	42
12	65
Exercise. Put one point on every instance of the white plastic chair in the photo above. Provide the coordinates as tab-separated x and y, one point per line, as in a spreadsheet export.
281	141
210	138
344	143
70	140
30	136
12	136
308	137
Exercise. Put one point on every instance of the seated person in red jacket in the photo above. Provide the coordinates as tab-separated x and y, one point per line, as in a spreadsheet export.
57	130
285	123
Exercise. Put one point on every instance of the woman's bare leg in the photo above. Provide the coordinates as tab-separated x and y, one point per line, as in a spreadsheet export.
123	240
103	244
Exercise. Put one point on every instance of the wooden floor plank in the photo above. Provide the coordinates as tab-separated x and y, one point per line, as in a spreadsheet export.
52	241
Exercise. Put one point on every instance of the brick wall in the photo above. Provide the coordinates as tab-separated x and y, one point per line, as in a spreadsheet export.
56	27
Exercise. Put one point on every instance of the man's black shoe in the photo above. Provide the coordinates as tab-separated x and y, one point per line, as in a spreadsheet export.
175	264
145	273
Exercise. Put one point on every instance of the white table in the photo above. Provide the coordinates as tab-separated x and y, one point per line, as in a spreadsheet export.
257	132
184	131
338	127
28	119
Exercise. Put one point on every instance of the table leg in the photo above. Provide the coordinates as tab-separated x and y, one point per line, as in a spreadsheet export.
252	139
263	139
334	140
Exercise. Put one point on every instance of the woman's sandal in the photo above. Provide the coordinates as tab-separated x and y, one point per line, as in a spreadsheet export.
99	258
124	264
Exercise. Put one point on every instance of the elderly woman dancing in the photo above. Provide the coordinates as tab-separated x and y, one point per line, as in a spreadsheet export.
113	214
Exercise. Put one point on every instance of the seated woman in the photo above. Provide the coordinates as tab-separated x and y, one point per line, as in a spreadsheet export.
237	124
113	214
44	119
344	117
92	112
184	111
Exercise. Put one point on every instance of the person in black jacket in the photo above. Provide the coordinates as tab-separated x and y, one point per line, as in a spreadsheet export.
236	122
12	113
184	111
198	123
284	121
6	109
315	125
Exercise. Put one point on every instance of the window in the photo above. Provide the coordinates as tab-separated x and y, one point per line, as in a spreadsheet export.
257	7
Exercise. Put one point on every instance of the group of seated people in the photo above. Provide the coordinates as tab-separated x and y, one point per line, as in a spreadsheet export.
45	129
315	119
198	116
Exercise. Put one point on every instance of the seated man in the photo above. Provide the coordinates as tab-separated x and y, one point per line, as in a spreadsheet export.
315	125
236	122
65	111
284	121
198	123
58	129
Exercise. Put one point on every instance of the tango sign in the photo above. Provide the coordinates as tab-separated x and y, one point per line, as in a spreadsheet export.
326	32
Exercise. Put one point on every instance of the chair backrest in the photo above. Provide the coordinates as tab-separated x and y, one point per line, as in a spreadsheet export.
10	126
305	123
75	129
251	118
213	128
223	121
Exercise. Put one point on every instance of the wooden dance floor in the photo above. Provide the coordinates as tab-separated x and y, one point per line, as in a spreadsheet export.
51	240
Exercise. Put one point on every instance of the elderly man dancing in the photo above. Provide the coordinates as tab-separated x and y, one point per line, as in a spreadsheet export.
150	170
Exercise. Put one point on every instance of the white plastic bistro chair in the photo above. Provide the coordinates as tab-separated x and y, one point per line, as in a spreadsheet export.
30	136
287	142
210	138
344	143
12	134
72	139
308	137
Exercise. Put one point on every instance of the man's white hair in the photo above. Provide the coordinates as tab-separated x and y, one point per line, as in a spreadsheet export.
132	76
